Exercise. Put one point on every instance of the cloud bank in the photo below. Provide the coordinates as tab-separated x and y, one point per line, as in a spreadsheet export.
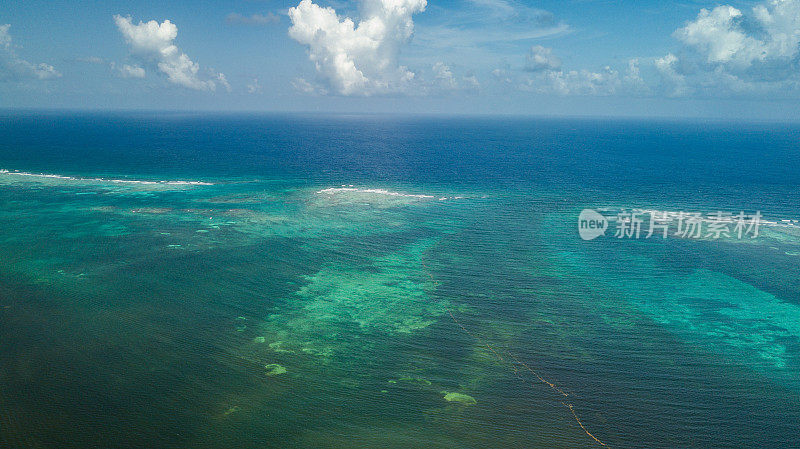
548	77
358	59
725	36
153	44
14	68
723	52
730	51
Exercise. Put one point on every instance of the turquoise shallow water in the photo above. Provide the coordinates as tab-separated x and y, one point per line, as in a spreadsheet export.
307	281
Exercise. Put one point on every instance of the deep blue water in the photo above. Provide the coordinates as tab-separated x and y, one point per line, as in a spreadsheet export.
197	280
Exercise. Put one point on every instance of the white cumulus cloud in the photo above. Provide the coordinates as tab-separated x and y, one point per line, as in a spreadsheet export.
14	68
548	77
717	34
731	50
152	43
724	51
445	81
302	85
472	82
542	58
444	76
358	59
674	82
223	81
253	87
581	82
131	71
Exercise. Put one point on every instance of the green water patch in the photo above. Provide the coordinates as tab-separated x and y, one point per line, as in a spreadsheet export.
386	294
460	398
275	369
671	284
732	314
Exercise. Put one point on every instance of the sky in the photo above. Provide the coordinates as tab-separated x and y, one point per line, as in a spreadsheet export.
737	59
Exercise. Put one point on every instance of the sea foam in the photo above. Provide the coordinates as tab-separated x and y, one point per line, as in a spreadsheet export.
104	180
343	189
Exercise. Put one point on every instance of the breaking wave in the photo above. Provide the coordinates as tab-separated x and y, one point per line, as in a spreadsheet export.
350	189
103	180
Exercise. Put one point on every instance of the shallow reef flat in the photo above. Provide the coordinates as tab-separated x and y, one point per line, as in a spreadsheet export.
255	312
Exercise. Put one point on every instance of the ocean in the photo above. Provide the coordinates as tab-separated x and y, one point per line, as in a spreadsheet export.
181	280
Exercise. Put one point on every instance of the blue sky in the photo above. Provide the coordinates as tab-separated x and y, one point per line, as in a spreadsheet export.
729	59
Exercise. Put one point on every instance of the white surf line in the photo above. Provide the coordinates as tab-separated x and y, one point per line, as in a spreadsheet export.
108	180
